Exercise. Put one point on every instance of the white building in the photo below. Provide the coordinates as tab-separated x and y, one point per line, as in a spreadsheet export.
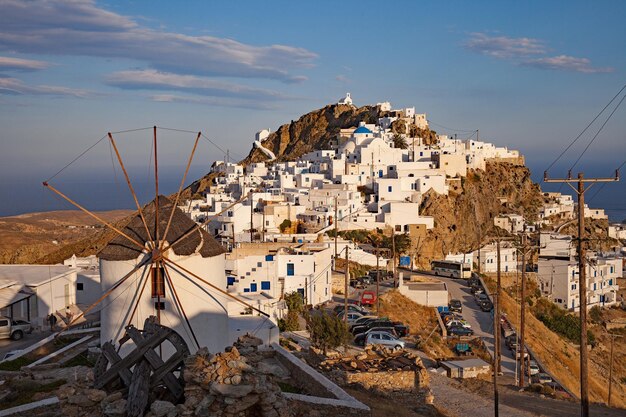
559	278
488	258
31	292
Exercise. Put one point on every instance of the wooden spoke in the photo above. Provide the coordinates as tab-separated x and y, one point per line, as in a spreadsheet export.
143	287
104	222
182	268
180	190
180	305
148	259
156	188
132	191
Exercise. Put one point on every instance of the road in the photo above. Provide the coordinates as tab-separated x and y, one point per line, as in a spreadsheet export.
7	345
481	322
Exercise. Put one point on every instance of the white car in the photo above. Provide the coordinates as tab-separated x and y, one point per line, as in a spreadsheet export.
458	323
352	317
533	368
385	339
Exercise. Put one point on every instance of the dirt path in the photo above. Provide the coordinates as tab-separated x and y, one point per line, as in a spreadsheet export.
456	402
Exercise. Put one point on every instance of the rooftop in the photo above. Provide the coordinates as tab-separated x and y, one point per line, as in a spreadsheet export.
33	275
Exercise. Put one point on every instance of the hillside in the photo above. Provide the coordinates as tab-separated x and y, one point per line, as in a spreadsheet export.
31	237
464	217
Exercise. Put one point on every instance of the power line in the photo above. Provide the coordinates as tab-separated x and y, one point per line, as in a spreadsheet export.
451	128
599	130
585	129
604	184
75	159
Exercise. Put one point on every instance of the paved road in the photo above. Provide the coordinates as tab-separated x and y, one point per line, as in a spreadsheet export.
481	322
7	345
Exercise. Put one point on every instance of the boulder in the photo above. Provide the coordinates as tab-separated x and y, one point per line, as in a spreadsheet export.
163	409
233	391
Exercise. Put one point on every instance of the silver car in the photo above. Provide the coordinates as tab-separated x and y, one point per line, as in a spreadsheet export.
385	339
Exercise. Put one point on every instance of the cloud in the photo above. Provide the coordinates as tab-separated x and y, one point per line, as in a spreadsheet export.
13	86
213	101
156	80
79	27
504	47
566	63
528	52
343	79
9	63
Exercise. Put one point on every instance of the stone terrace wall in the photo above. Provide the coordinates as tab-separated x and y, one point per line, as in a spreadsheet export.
406	381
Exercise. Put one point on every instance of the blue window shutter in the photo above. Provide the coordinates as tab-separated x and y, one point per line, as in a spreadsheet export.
290	269
265	285
253	287
246	290
269	257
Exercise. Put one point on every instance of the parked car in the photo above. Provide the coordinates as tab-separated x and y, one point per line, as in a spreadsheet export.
458	323
477	289
460	331
398	327
385	339
359	339
533	368
542	378
481	297
351	308
518	353
367	280
473	282
368	298
356	283
362	320
486	305
449	315
352	317
14	329
455	305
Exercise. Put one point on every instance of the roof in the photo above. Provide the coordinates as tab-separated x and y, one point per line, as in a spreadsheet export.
199	241
426	286
13	295
361	129
33	275
466	363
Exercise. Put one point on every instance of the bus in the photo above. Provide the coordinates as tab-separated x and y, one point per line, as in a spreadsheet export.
451	269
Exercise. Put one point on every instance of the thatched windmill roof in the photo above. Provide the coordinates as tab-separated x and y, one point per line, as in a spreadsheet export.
120	249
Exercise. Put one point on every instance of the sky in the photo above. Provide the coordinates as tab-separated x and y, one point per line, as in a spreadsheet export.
528	75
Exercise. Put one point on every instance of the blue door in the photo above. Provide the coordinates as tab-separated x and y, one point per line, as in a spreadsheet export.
290	270
253	287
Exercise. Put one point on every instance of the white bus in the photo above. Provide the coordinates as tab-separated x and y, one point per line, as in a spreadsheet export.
451	269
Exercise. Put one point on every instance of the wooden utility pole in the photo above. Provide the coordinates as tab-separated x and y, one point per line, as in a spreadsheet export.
336	227
582	279
496	334
378	284
393	254
523	312
251	219
345	288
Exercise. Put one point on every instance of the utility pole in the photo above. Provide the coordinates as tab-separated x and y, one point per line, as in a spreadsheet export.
582	279
378	285
251	219
336	227
393	254
496	334
613	336
479	246
523	312
345	288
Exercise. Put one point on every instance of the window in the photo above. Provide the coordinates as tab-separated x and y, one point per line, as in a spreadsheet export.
230	281
290	269
259	264
158	282
390	188
246	290
4	323
253	287
79	286
269	258
265	285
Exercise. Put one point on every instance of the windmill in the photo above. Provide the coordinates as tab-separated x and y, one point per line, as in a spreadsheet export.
184	265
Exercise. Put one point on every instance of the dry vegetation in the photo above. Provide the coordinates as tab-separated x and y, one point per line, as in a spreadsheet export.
27	238
561	357
421	320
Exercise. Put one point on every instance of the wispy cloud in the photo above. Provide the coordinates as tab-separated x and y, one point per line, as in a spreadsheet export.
19	64
566	63
215	102
503	46
343	79
80	27
529	52
156	80
13	86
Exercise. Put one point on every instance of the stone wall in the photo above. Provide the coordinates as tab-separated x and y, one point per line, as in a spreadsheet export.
385	381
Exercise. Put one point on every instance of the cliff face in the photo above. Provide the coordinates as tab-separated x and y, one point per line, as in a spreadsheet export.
313	131
462	218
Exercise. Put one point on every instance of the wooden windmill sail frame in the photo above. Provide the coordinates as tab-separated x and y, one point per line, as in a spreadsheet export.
156	246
